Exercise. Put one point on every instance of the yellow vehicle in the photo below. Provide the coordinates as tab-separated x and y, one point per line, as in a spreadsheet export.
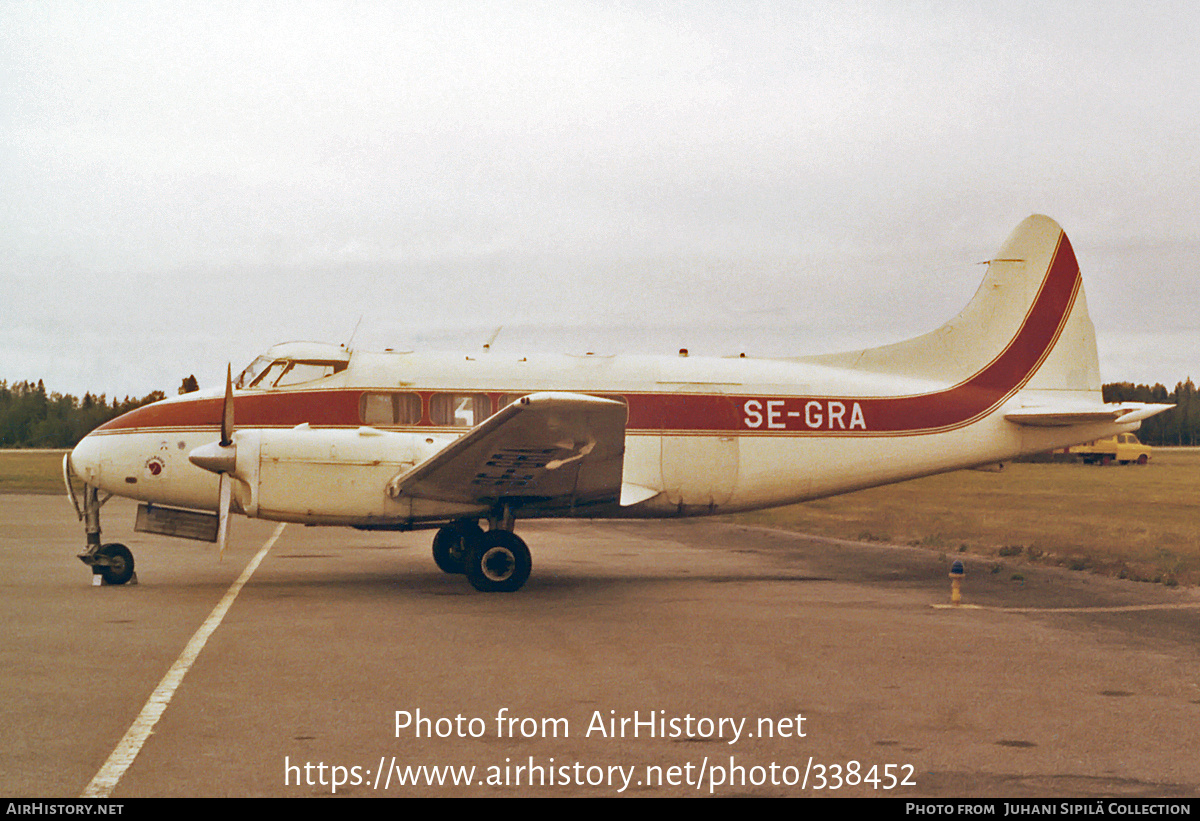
1123	448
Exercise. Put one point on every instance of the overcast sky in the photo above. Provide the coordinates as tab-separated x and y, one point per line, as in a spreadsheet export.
184	184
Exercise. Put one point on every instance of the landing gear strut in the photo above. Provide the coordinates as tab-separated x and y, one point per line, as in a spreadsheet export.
113	562
497	561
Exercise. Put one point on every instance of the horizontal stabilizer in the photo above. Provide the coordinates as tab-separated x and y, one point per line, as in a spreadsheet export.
1049	417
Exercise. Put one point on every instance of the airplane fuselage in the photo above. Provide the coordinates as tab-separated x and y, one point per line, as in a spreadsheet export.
704	435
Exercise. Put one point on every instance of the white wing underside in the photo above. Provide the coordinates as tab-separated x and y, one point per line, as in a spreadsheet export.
548	449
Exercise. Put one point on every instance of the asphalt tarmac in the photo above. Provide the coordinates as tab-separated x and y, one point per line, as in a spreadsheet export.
642	658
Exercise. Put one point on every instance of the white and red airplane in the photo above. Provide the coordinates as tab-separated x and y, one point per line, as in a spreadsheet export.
399	440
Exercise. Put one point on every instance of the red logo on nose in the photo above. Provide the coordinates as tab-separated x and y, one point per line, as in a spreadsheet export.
155	466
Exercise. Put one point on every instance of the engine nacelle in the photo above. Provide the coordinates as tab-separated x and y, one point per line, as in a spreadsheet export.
327	476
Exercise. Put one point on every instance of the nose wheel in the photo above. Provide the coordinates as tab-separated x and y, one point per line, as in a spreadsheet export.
117	566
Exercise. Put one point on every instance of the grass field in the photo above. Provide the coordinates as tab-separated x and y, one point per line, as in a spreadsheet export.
31	471
1135	522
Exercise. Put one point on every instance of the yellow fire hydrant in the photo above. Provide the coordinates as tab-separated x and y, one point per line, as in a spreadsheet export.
956	576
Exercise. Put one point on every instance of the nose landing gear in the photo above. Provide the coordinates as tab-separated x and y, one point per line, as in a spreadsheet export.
113	562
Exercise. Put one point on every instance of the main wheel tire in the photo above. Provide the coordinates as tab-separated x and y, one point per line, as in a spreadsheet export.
452	544
119	569
499	562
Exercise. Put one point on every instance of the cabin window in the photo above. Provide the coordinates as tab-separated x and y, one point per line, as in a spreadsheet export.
390	409
459	410
506	399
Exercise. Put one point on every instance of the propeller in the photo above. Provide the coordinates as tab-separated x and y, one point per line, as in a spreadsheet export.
221	459
227	409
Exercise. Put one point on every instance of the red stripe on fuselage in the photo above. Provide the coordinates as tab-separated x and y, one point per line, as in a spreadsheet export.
684	412
251	410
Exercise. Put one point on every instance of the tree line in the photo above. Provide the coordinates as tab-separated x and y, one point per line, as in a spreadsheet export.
32	418
1180	426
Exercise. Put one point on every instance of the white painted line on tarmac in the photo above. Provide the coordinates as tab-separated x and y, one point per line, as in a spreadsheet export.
127	750
1120	608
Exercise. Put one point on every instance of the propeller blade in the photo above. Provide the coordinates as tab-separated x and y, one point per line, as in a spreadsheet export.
227	409
223	513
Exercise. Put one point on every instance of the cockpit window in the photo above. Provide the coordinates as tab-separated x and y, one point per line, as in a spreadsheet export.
270	375
298	372
264	373
253	371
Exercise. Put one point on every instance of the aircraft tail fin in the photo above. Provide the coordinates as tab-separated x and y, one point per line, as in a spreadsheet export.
1026	327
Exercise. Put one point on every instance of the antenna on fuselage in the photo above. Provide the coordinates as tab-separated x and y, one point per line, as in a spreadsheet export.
487	346
354	332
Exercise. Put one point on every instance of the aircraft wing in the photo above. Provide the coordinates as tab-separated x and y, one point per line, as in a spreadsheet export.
557	449
1050	417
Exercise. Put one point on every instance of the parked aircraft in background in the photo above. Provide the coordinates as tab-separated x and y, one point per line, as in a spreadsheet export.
323	435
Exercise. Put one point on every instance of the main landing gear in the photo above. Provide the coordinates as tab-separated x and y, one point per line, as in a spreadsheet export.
495	561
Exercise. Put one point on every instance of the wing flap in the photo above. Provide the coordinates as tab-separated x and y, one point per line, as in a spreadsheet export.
563	449
632	494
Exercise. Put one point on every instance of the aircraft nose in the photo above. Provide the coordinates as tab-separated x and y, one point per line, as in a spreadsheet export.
85	459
